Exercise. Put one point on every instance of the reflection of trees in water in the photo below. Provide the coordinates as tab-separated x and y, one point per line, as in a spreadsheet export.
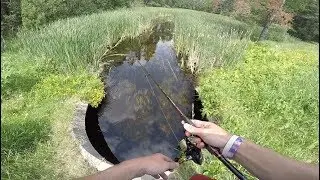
140	48
179	93
133	130
142	104
141	113
122	88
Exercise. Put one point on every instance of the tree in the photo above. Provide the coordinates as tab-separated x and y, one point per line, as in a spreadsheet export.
273	11
241	9
305	24
216	6
10	16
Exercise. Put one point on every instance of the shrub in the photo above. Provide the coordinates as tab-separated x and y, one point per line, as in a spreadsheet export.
276	33
83	86
306	28
39	12
305	24
199	5
10	17
19	74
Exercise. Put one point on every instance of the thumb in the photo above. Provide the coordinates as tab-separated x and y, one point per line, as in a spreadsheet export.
192	129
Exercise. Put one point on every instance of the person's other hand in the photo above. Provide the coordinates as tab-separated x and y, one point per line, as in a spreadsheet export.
209	132
155	165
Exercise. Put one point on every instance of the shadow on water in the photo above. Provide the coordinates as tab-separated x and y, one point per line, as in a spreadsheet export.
135	118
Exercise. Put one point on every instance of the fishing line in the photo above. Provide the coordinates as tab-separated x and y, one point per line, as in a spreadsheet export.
161	108
212	150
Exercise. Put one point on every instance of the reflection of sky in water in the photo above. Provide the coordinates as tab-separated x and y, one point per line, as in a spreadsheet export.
131	119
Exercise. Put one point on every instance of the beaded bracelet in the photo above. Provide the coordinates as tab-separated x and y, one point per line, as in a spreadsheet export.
232	146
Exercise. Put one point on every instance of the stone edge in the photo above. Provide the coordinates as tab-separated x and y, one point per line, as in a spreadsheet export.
97	161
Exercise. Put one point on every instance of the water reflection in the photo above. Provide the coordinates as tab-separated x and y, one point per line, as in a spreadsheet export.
135	117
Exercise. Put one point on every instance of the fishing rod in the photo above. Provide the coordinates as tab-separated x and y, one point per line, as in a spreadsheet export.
212	150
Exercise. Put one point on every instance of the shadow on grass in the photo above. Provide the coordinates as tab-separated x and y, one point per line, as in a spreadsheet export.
23	135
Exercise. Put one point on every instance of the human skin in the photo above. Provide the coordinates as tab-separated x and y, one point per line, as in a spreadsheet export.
155	165
259	161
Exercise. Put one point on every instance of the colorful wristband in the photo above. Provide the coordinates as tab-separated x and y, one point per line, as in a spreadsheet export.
232	146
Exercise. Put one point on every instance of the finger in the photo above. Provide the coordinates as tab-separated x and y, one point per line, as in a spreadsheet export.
192	129
200	145
173	165
199	123
196	140
167	159
156	176
188	134
164	176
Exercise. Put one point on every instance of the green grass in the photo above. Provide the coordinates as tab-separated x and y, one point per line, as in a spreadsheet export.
79	42
271	98
36	142
43	69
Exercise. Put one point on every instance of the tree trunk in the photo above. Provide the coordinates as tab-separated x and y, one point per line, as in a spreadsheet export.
264	32
269	19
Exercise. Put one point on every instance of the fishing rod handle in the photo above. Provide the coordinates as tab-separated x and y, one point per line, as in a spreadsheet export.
216	152
227	163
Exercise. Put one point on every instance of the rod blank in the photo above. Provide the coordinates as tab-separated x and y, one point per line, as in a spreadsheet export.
212	150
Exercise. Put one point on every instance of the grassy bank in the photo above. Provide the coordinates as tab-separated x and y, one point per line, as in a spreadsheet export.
271	98
42	70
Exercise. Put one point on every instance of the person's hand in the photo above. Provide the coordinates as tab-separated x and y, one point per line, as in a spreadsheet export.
209	132
155	165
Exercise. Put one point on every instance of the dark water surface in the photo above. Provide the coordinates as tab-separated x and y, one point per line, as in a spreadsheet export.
135	118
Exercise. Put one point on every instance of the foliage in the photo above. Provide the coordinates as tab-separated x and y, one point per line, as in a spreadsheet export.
82	86
43	68
270	98
79	43
276	33
297	7
199	5
39	12
33	141
27	148
19	74
241	10
261	13
10	17
305	25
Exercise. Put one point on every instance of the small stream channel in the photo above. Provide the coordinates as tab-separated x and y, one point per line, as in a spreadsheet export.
135	119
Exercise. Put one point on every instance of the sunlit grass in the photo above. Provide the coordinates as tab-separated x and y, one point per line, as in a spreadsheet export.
44	68
79	42
271	99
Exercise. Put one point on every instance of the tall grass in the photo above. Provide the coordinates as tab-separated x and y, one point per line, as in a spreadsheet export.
43	68
79	42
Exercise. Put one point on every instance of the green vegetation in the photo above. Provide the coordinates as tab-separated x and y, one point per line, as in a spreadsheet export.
38	12
199	5
42	69
79	43
268	93
306	23
270	98
36	141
